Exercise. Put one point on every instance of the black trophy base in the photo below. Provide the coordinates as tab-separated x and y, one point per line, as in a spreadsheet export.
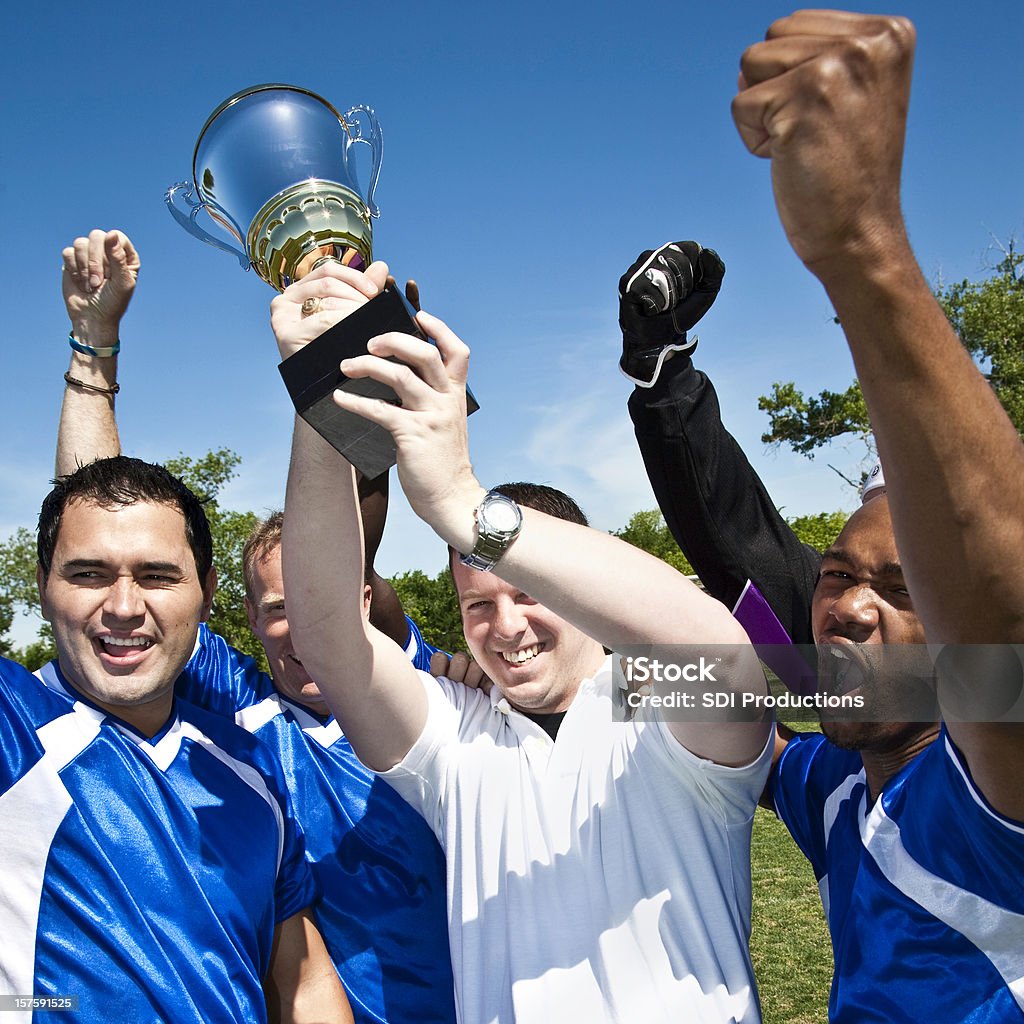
312	376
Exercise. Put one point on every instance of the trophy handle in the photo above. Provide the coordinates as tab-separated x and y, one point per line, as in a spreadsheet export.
375	142
184	208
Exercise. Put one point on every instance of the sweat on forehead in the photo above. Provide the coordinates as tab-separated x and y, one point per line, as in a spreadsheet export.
867	539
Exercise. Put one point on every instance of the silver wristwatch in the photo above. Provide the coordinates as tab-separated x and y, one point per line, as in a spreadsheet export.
498	521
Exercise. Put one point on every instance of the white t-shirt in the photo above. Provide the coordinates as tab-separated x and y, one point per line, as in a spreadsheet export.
602	877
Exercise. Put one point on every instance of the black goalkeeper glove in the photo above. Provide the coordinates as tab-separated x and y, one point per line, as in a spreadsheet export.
662	295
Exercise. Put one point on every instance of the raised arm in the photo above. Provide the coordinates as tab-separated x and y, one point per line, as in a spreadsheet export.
713	501
365	676
98	281
825	97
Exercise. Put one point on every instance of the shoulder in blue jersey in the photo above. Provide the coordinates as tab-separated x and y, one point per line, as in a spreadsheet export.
922	890
144	876
419	651
380	870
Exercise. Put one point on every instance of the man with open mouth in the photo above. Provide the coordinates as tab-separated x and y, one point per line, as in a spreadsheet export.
914	827
154	869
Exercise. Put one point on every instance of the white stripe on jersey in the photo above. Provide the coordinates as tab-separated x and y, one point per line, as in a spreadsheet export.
823	893
254	717
831	811
249	775
164	751
998	933
969	783
31	811
257	715
412	647
835	800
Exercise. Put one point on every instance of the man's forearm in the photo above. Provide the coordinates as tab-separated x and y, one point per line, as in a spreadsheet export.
302	986
609	589
98	280
364	676
322	553
954	462
88	427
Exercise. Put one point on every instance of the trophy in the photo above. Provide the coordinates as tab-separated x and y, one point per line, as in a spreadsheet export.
274	168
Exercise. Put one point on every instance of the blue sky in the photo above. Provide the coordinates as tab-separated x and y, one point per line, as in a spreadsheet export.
531	151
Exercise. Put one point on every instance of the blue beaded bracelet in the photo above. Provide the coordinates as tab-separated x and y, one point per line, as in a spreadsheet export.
88	350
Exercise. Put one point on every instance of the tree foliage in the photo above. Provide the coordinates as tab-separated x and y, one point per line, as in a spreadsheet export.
807	423
18	593
820	530
988	317
206	477
432	602
647	531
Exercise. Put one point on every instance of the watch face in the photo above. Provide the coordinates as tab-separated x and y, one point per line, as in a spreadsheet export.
502	516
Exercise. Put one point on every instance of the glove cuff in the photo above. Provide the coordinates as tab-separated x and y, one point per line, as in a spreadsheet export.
643	366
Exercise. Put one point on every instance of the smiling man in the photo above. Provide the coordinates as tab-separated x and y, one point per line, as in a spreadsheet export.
378	867
119	587
597	870
154	869
533	655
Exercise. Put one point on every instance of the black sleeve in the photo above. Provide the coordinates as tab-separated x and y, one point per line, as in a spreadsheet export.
715	504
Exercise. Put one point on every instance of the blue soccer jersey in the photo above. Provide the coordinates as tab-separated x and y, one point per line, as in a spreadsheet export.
923	891
381	872
142	876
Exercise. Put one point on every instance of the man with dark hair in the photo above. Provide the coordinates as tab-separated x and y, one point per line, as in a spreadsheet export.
544	499
118	481
539	799
154	868
378	867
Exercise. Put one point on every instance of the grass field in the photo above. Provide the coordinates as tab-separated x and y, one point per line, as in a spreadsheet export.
789	943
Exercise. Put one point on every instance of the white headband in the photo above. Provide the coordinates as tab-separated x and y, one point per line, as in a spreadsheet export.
874	482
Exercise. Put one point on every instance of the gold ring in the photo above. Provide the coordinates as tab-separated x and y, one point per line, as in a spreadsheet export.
311	305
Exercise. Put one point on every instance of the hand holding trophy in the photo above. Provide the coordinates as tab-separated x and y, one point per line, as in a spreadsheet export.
274	167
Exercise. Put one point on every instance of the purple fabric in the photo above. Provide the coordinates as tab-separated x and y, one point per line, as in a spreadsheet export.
773	643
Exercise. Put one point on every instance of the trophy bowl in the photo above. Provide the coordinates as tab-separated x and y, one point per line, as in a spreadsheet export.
274	168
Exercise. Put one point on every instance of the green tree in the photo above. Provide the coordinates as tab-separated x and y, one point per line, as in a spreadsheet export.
432	602
206	476
806	423
647	531
820	530
988	316
18	593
